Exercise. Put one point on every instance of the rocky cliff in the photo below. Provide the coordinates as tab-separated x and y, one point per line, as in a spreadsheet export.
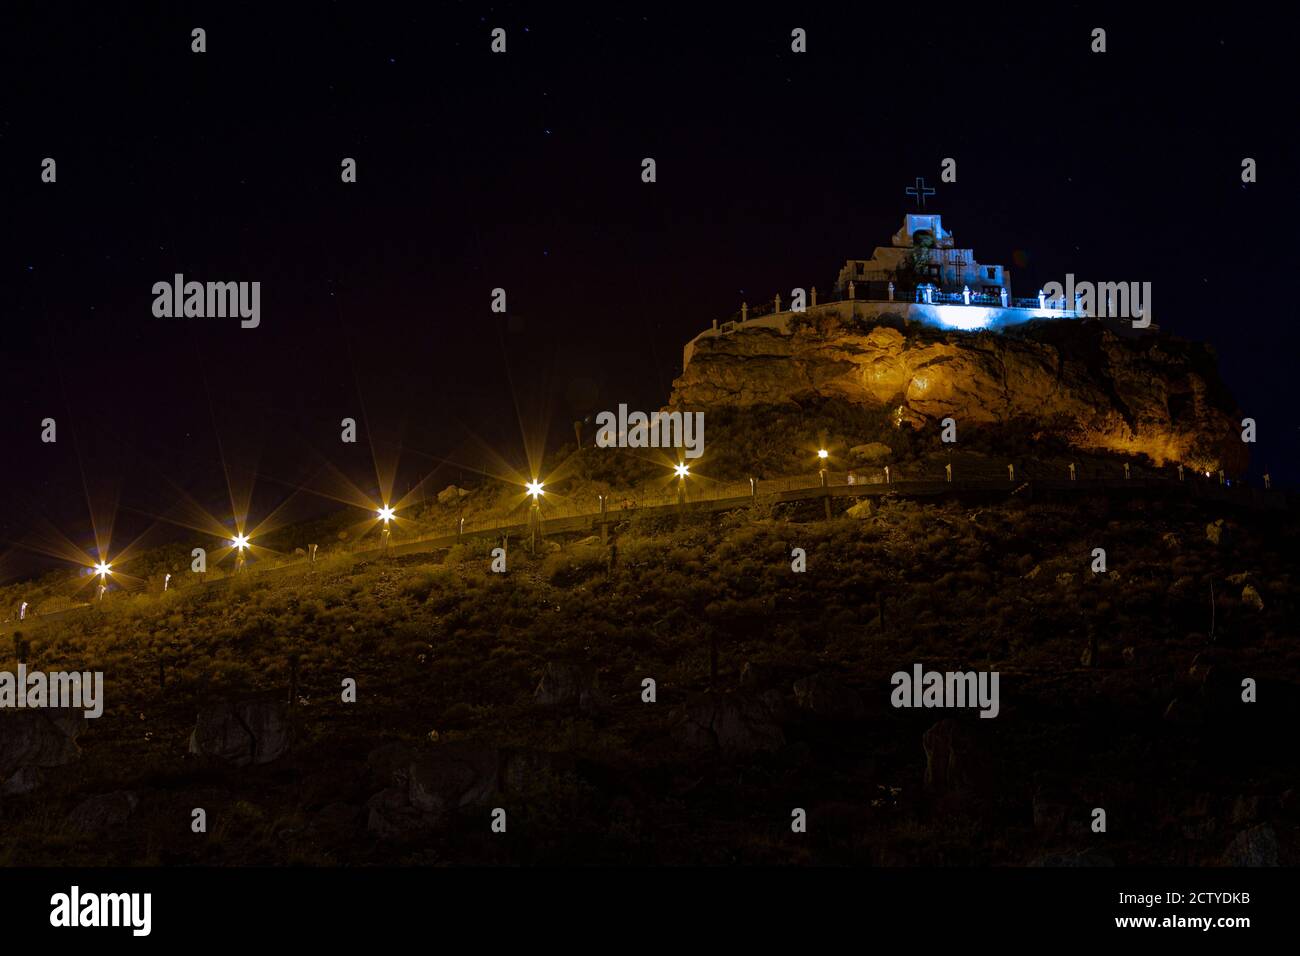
1152	395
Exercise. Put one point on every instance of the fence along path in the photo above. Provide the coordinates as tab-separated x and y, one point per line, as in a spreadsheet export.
704	497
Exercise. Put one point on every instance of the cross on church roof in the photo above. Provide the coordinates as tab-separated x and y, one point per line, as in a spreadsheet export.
920	191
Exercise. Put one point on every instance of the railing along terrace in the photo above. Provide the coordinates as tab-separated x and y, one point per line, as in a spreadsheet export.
905	296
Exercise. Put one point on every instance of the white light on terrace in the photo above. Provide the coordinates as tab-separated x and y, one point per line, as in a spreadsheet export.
682	470
240	541
103	568
386	513
534	488
823	453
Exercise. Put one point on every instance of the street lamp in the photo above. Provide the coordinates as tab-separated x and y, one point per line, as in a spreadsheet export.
240	541
534	490
386	513
682	471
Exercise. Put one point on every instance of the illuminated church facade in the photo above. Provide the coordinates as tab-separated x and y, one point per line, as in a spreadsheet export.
922	251
922	276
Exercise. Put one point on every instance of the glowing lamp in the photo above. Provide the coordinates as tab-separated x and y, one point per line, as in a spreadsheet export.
386	513
823	454
534	488
240	541
103	568
681	469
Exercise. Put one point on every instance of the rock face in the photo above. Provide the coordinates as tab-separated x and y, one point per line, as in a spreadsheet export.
872	453
34	739
825	696
958	758
733	724
103	812
450	494
1154	395
574	686
453	777
245	732
434	784
1257	846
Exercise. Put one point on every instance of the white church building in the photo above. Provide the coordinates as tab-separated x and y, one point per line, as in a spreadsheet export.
923	244
922	276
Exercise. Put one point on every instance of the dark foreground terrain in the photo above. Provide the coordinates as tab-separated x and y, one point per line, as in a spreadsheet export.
525	691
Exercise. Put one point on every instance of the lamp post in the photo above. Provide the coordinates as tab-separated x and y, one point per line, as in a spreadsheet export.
240	543
385	514
103	567
535	491
822	457
682	471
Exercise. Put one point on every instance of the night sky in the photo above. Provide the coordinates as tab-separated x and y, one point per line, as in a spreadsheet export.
523	170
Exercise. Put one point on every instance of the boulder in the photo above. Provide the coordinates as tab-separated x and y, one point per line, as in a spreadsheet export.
958	758
390	762
453	776
1201	663
103	811
572	686
1257	846
522	770
826	696
253	731
1051	810
732	724
24	780
872	453
1081	858
1251	598
758	677
451	493
1216	532
390	815
862	509
334	821
38	738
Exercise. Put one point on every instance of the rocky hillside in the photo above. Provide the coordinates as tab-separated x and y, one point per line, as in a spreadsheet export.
1155	396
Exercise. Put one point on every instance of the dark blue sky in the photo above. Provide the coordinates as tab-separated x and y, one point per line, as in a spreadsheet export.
523	171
